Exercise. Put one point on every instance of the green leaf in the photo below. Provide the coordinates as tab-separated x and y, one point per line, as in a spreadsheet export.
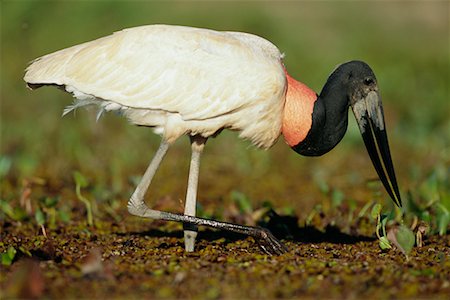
11	252
376	210
443	220
80	180
425	216
363	210
337	197
20	214
25	251
40	217
429	189
16	213
383	220
64	216
405	239
288	210
158	272
8	256
323	186
6	208
50	201
242	201
384	243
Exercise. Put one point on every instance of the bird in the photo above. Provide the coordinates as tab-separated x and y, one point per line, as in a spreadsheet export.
196	82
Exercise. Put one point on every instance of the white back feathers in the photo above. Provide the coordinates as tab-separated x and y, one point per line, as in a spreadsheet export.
180	80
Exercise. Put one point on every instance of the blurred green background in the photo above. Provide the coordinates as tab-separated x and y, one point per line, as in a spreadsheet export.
405	42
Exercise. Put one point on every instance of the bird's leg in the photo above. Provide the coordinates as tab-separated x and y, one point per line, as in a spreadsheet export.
137	207
136	204
190	230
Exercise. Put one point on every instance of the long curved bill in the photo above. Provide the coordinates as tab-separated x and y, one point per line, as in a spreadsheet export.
370	118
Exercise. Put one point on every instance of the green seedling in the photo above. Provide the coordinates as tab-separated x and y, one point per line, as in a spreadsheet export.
384	243
50	204
337	197
443	219
8	256
431	204
365	208
16	214
25	251
434	192
401	236
242	201
381	225
81	182
63	216
40	219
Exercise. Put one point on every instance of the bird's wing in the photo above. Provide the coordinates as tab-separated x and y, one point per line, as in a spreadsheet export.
197	73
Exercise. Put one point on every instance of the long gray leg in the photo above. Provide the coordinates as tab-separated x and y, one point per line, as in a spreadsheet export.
137	207
190	231
136	204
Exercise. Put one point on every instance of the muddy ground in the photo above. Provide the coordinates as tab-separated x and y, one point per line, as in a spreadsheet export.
136	258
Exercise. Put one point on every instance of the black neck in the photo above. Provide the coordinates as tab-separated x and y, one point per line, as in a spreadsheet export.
329	121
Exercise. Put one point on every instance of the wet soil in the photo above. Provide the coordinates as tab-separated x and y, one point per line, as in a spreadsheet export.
136	258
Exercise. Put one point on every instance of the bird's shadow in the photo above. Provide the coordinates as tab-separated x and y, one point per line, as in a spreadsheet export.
282	227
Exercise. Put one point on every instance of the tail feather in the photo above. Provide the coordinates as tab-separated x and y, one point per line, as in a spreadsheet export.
80	103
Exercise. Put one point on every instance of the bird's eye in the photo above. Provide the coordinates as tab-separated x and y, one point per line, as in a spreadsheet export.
369	81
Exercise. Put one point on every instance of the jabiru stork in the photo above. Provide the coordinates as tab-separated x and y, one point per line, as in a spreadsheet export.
196	82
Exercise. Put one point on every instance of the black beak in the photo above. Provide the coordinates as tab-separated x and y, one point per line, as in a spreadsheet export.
370	118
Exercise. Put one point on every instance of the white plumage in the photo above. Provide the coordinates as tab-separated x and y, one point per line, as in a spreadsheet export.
180	80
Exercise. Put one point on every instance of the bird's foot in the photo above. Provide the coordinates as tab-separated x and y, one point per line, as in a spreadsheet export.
189	240
269	243
190	235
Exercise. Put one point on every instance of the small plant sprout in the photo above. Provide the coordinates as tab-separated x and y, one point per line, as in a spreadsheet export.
40	219
381	225
403	238
81	182
443	219
8	256
48	206
242	201
365	208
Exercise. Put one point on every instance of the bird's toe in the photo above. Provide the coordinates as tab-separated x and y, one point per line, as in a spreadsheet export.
270	244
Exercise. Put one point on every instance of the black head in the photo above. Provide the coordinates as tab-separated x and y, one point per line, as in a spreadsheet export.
352	84
356	78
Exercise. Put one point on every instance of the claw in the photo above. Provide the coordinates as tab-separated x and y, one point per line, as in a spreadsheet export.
269	243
